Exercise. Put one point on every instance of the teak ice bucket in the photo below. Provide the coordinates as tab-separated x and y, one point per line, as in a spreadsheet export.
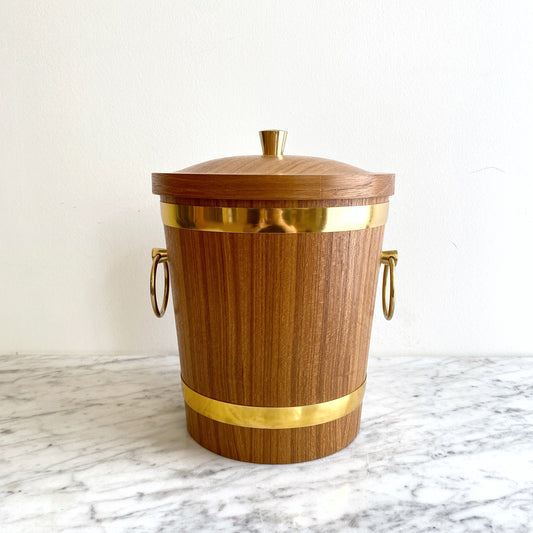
274	263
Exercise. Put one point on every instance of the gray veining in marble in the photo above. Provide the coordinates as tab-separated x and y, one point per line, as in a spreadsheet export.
99	444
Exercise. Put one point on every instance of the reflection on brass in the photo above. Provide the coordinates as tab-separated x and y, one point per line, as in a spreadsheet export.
390	260
159	255
273	142
274	219
273	417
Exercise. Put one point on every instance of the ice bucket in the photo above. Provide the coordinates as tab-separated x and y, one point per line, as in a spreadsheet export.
274	263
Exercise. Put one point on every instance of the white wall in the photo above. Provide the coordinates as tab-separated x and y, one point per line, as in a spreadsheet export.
97	95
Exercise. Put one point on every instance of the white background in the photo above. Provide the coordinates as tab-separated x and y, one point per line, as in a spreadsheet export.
97	95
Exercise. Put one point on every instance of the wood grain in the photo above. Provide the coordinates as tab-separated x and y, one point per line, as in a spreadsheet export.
274	446
273	178
273	203
273	320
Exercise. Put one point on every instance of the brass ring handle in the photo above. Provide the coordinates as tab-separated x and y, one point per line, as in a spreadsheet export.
389	259
159	255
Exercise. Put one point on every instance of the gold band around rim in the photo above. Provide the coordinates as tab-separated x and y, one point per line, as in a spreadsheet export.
273	417
274	219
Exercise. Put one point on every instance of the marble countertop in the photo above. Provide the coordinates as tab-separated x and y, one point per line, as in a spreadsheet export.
99	444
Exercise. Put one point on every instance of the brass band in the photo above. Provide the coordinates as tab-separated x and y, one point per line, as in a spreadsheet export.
273	417
274	219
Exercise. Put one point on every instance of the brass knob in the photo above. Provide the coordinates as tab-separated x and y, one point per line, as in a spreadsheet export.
273	142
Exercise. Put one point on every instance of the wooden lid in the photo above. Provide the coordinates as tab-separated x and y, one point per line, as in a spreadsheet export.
273	176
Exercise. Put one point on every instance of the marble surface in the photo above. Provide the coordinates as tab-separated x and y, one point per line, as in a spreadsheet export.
99	444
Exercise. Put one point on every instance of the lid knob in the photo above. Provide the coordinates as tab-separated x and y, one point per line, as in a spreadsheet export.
273	141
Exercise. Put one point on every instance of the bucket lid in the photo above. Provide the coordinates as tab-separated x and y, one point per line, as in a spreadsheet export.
273	176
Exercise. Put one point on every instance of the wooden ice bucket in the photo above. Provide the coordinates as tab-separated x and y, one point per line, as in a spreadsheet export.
274	262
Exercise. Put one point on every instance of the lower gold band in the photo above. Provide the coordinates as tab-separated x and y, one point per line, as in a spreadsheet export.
274	219
273	417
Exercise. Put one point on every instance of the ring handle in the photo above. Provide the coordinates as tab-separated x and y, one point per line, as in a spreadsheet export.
389	258
159	255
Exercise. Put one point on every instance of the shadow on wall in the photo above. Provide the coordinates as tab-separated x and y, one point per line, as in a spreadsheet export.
126	242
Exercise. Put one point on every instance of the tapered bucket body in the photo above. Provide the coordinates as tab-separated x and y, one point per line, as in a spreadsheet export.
273	301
